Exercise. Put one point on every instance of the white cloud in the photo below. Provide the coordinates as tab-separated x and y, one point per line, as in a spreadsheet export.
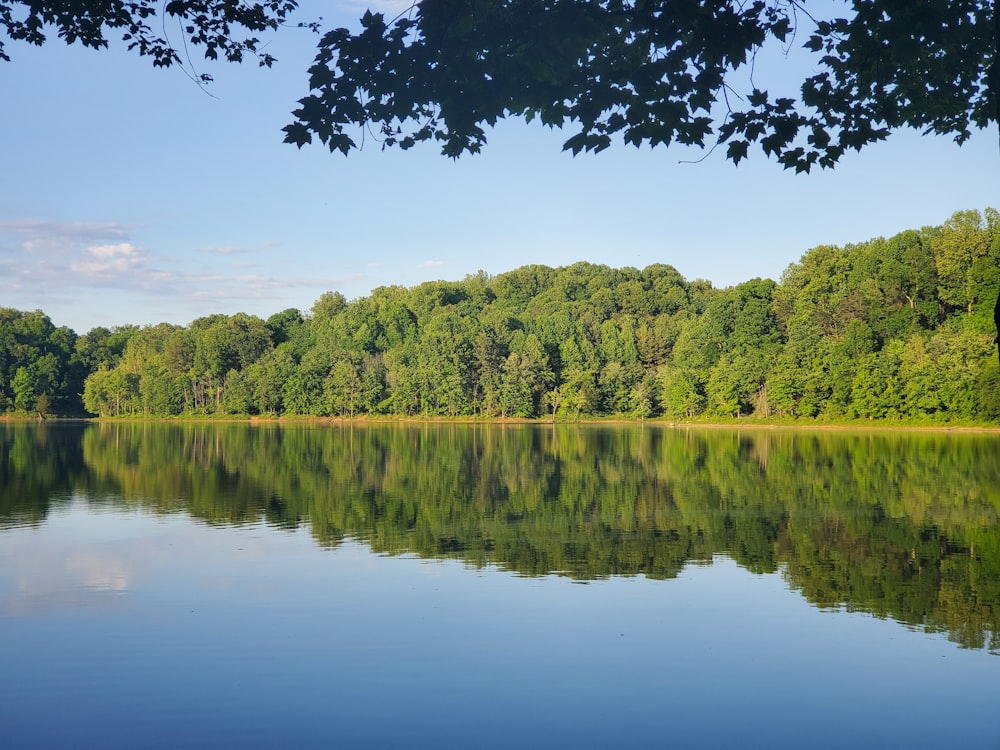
431	264
110	251
37	254
107	260
52	264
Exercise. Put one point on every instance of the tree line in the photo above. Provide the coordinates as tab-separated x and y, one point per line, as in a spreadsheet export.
898	328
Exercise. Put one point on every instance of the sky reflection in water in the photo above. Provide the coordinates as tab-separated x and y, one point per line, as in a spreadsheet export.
125	628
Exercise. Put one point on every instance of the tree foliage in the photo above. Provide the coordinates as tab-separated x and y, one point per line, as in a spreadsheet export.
872	330
655	73
160	30
650	72
42	367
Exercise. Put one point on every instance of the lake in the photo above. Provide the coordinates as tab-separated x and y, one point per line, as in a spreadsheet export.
486	586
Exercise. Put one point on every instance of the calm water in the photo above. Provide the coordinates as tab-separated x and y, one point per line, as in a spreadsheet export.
475	586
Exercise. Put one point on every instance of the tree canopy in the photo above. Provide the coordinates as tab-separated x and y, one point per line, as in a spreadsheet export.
213	26
650	72
656	72
889	329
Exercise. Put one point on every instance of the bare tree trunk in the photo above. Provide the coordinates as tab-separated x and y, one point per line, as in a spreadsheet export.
994	85
996	321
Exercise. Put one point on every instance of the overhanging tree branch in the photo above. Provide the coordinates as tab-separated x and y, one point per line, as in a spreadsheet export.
654	72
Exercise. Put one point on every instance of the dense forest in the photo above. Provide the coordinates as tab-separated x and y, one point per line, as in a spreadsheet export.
897	328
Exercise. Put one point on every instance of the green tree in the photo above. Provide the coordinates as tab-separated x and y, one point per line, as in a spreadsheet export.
525	377
877	386
680	395
24	389
897	281
967	255
987	391
840	365
488	349
344	389
304	390
373	378
798	385
29	341
643	397
267	379
238	397
95	392
940	372
402	380
287	325
223	343
579	392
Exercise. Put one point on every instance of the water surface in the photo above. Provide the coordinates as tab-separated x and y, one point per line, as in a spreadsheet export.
455	586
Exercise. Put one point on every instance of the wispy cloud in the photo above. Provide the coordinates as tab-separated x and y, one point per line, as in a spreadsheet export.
64	255
55	236
431	264
58	262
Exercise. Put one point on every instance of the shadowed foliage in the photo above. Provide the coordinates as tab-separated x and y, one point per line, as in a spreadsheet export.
655	73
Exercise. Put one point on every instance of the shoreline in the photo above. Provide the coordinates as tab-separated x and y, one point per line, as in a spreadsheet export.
512	421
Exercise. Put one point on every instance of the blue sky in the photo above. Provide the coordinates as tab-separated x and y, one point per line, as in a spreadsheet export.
132	196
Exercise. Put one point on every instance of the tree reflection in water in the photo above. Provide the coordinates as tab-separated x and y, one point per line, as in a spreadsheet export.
898	524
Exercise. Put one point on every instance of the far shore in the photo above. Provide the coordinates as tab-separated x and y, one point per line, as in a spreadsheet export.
748	424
